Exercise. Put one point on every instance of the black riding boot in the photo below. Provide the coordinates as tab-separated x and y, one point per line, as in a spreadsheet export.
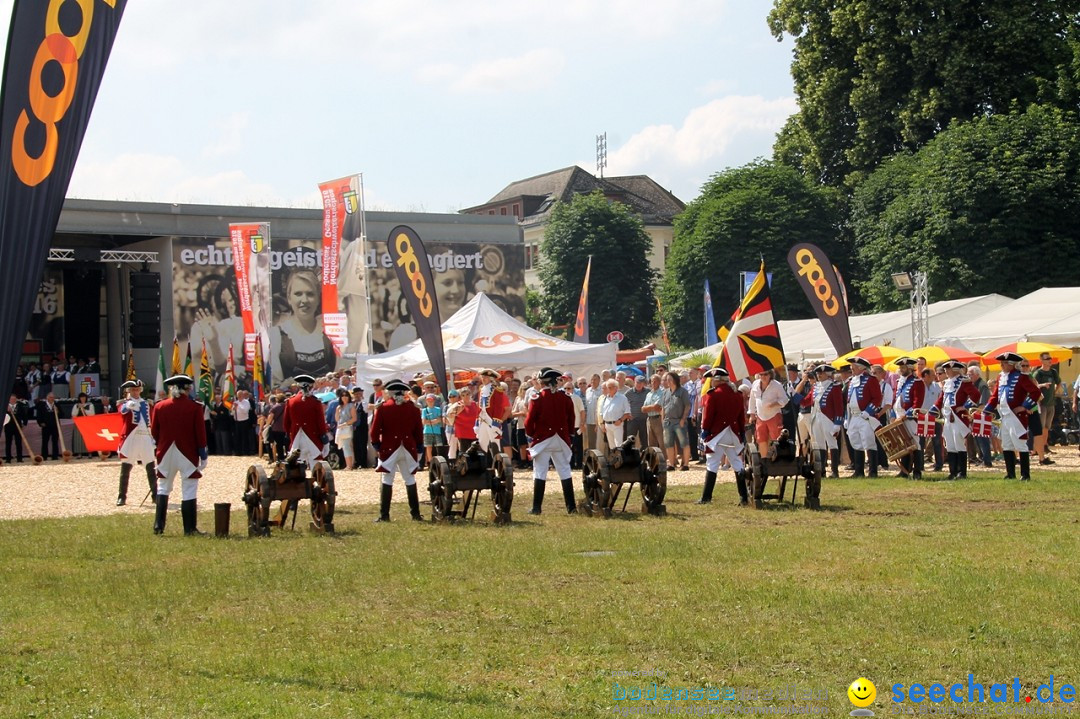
834	457
872	461
1010	465
917	471
1025	466
905	466
740	484
385	496
190	516
821	460
858	461
160	512
414	502
538	496
706	493
568	495
151	478
951	459
125	476
961	465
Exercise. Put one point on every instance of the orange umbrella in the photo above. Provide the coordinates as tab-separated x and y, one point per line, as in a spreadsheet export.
933	354
1029	351
877	354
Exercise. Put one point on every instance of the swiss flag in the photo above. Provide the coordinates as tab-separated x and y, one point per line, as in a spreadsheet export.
924	424
982	424
101	432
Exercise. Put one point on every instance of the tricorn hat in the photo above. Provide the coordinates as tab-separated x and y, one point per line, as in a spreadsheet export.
905	362
132	383
716	372
488	373
179	380
547	374
396	386
953	364
304	379
824	368
864	363
1009	357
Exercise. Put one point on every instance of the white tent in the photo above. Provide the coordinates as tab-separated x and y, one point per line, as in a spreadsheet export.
480	334
806	340
1051	315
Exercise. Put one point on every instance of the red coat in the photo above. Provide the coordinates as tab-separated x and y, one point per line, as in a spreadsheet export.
913	395
305	413
129	422
1022	392
869	398
549	414
723	409
966	396
397	425
833	404
498	404
178	421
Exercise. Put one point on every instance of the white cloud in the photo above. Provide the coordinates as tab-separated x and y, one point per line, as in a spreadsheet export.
506	74
232	129
165	178
713	136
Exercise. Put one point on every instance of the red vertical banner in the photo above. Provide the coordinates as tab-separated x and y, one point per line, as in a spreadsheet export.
342	199
581	324
251	257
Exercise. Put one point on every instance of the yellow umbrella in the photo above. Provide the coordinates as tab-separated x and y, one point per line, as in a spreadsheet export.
933	354
1029	351
877	354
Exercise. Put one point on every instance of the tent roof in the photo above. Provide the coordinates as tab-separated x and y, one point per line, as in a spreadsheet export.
481	334
1051	315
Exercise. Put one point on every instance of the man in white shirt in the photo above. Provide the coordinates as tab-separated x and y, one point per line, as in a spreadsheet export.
614	413
576	448
245	423
767	399
592	397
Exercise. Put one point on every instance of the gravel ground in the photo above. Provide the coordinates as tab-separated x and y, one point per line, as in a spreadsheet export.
88	486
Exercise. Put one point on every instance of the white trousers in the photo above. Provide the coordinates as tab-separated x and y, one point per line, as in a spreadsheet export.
823	432
554	450
860	431
613	434
1013	433
399	462
955	433
725	444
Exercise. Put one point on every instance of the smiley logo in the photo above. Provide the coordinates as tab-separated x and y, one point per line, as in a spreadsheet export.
862	692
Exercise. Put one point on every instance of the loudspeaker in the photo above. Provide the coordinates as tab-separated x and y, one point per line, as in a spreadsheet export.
145	310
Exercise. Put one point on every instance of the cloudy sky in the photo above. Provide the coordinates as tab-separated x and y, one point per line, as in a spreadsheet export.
439	103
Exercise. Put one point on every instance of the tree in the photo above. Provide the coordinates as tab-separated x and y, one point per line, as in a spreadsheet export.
986	206
743	215
621	283
877	77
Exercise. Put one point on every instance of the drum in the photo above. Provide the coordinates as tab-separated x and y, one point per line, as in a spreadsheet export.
896	440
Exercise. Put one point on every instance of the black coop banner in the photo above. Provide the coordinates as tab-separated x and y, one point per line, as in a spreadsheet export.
56	56
818	280
418	286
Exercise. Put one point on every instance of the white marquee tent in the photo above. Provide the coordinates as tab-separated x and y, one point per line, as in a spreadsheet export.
1050	315
481	334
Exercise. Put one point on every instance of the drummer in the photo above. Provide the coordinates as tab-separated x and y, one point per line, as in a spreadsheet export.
910	391
826	403
958	395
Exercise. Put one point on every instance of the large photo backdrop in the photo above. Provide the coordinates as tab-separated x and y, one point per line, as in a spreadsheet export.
206	305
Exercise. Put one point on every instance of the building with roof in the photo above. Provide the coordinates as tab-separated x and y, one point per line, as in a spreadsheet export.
531	200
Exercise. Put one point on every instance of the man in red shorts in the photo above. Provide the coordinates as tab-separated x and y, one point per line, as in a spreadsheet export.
767	398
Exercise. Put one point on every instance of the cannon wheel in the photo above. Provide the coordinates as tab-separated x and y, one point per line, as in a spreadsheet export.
323	498
502	488
440	488
253	482
596	478
653	481
812	486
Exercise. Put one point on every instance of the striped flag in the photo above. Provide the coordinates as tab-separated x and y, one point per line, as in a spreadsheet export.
130	374
257	388
752	339
159	386
189	367
228	391
206	381
177	359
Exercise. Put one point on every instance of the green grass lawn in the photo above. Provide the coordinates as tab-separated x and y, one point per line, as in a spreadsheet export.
896	581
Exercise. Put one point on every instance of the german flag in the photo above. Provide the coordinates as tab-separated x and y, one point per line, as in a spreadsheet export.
751	337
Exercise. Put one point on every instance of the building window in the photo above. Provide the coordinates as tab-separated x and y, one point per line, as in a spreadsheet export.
517	211
491	212
502	210
532	256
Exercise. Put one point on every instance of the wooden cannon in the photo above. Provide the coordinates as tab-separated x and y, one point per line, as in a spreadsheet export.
471	472
289	483
785	462
605	476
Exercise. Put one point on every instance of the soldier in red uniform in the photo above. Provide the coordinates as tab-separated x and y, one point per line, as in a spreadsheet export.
494	408
1013	398
958	395
548	424
178	428
862	396
397	433
910	394
723	426
136	444
305	422
826	403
